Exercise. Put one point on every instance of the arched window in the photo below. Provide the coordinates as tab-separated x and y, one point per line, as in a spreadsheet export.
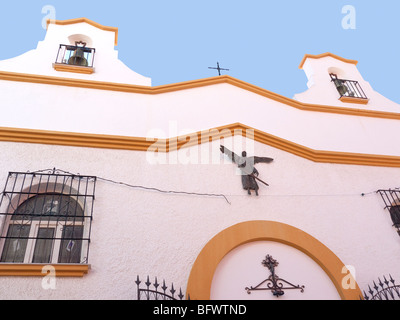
46	227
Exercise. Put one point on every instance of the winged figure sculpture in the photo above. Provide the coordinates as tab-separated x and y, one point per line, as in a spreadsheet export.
246	165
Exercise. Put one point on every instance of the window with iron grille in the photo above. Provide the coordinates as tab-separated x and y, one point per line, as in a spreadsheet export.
391	198
45	218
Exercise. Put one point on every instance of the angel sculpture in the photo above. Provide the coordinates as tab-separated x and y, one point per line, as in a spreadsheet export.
246	166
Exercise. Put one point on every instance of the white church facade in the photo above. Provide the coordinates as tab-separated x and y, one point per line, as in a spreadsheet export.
108	180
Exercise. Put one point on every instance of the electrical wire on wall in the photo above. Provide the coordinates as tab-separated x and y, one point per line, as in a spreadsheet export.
225	197
165	191
142	187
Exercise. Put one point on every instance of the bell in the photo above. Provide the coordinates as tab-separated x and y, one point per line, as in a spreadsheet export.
78	58
340	87
342	90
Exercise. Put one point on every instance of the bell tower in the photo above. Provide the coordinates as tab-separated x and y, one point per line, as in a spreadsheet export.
79	49
336	81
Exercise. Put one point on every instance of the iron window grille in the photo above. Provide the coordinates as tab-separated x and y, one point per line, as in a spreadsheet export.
348	88
78	55
45	218
391	198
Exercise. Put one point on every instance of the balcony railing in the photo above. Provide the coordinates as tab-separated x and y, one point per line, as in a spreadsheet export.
349	90
79	56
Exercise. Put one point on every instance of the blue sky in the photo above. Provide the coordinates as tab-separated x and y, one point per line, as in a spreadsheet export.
261	41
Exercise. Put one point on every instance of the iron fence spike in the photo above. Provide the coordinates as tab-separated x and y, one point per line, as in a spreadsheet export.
380	283
148	283
172	290
376	287
164	287
386	281
180	294
371	292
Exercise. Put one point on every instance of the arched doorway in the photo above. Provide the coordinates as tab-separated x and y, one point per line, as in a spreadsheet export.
202	273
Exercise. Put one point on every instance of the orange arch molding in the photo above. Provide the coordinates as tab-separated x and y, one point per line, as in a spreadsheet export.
201	275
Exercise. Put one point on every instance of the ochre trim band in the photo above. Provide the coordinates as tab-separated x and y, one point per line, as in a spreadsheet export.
39	270
167	145
323	55
120	87
69	68
88	21
354	100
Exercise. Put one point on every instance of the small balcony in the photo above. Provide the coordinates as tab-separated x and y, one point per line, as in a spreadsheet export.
78	58
350	91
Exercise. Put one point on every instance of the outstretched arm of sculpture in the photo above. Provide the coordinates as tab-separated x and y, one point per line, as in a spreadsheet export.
233	156
262	160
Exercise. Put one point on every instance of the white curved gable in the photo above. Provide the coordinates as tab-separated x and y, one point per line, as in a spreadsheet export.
321	90
107	66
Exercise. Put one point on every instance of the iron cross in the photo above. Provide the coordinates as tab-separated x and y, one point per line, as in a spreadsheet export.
218	68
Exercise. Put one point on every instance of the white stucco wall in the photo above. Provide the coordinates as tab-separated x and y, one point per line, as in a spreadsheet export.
59	108
137	232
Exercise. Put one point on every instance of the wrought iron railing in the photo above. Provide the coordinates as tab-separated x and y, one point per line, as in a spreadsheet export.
153	291
348	88
78	55
384	290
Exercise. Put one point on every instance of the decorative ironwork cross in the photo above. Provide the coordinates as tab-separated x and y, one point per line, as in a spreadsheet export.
218	68
273	282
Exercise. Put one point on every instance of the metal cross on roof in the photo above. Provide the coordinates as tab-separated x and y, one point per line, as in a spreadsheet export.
218	68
